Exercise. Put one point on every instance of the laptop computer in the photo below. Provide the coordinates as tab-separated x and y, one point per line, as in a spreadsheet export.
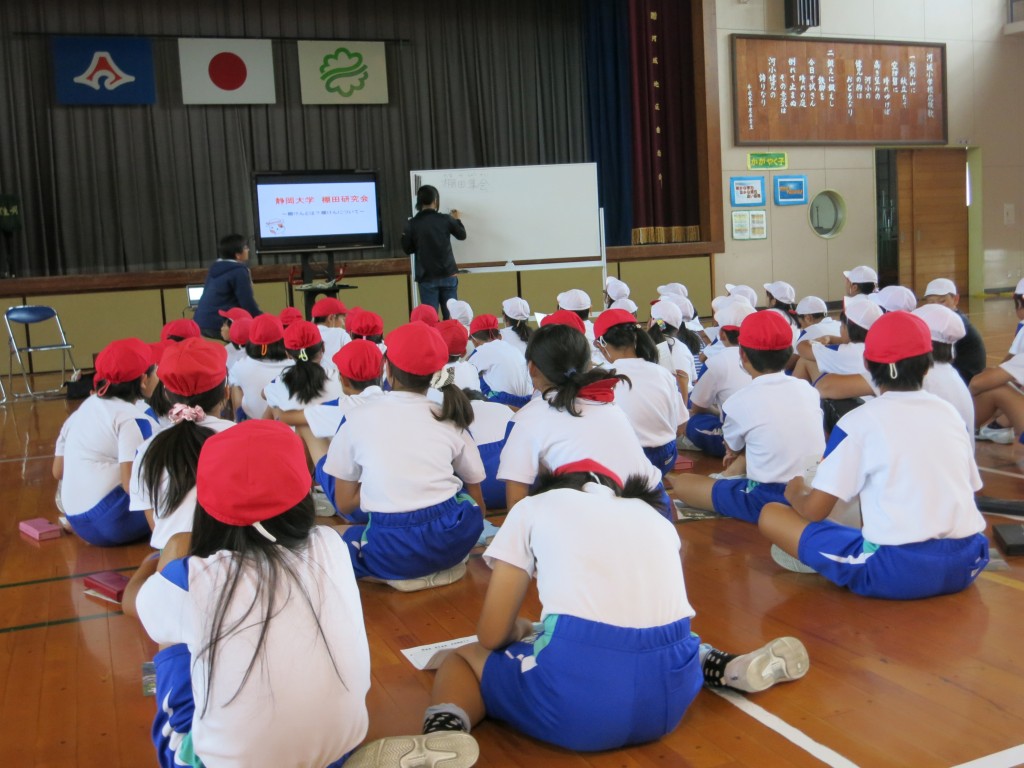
195	292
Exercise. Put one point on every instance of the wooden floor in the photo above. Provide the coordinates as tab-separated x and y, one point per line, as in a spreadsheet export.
930	683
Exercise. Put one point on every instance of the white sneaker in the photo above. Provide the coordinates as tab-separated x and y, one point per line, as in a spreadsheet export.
782	660
441	749
683	443
322	504
787	561
1000	435
431	580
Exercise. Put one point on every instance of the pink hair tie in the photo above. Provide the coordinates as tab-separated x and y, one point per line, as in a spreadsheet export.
181	412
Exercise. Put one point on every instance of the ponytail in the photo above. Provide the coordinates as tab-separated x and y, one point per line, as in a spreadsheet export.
521	327
636	487
632	336
175	451
306	379
455	407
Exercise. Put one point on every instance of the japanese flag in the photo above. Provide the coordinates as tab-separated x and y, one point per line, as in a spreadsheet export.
226	71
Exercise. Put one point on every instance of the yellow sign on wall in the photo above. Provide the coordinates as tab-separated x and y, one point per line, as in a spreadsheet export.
767	161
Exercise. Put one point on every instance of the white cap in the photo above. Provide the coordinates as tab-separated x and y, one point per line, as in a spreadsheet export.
574	299
861	275
742	290
895	298
942	286
733	314
811	305
684	304
460	310
946	326
668	312
677	289
862	311
616	289
627	304
516	308
721	302
694	325
1020	287
783	292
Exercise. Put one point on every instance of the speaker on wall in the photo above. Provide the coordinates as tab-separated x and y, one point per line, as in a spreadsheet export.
802	15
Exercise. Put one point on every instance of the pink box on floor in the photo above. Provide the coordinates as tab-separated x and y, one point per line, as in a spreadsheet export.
40	529
684	463
108	583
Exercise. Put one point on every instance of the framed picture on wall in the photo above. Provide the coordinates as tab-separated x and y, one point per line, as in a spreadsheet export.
741	225
746	190
791	190
758	225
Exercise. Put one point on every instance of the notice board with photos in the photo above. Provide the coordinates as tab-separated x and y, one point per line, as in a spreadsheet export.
791	90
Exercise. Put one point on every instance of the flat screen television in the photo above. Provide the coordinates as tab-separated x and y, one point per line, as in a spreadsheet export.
300	211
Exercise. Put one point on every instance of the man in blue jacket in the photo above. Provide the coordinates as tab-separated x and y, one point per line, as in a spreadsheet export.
228	284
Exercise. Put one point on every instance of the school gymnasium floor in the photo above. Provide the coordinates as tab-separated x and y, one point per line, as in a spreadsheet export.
936	682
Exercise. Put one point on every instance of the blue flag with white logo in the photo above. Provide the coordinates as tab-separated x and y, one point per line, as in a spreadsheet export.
103	70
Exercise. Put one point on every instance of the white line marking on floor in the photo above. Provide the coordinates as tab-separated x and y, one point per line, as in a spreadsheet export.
1002	472
1005	759
787	731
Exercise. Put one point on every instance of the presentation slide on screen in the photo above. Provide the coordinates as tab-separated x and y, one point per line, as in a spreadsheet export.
316	210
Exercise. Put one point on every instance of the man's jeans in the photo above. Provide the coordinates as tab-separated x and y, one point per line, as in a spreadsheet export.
435	293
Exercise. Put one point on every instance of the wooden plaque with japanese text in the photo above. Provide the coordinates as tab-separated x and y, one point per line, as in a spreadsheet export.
791	90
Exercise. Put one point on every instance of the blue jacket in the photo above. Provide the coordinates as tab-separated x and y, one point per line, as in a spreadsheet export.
228	284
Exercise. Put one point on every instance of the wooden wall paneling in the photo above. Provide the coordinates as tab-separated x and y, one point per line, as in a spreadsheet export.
940	217
905	208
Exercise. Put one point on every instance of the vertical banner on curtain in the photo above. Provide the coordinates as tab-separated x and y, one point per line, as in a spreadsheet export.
665	194
342	72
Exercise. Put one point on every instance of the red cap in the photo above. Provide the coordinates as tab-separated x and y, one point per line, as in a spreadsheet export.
301	334
327	306
157	349
234	314
123	360
266	329
483	323
425	314
455	336
417	349
362	322
767	330
240	331
896	336
359	360
588	465
612	317
565	317
193	366
183	328
252	472
290	315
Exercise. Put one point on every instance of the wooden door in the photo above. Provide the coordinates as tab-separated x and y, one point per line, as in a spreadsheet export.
932	209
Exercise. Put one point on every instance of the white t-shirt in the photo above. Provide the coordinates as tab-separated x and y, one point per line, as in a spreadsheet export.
324	419
94	441
466	377
544	436
943	381
298	707
490	420
845	358
403	458
277	395
777	419
826	327
503	368
234	355
653	403
674	355
253	376
178	519
510	337
1015	367
908	457
596	356
587	573
1017	345
334	340
723	377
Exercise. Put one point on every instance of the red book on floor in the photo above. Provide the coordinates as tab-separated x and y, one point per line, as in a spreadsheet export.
39	528
108	583
684	463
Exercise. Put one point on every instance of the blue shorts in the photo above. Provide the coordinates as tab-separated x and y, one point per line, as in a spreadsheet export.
893	572
110	523
744	499
408	545
172	727
493	489
329	484
505	398
664	458
705	431
589	686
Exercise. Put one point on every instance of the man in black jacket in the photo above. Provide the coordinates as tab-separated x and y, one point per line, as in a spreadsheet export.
228	284
428	234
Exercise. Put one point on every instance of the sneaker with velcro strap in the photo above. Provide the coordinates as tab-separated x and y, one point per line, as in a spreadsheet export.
442	749
780	661
431	580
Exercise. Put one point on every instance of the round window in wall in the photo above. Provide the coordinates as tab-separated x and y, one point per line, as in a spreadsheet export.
827	213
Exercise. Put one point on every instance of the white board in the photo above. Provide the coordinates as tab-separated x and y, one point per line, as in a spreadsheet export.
522	213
